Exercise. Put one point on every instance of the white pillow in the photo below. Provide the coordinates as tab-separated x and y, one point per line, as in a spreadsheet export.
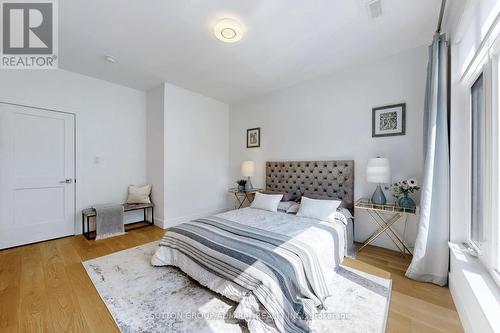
139	194
268	202
323	210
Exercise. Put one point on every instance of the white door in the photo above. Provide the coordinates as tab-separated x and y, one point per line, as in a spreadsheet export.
37	180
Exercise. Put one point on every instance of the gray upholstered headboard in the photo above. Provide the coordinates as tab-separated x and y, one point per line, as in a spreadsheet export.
334	179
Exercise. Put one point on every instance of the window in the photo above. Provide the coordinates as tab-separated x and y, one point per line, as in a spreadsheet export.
478	171
481	85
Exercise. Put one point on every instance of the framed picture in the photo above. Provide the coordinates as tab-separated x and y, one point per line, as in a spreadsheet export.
253	137
389	120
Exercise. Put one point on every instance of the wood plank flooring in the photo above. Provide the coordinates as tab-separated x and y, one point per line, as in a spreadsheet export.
44	287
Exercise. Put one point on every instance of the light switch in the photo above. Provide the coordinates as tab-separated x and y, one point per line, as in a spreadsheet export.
97	159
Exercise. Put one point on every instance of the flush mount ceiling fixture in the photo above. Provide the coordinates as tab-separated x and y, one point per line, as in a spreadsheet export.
228	30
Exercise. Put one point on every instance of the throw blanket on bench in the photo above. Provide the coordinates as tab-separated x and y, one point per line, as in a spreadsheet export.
279	273
109	220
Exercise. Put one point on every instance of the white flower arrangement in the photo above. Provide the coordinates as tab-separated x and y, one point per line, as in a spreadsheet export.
404	187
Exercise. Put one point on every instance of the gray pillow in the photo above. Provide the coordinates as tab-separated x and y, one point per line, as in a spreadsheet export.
283	206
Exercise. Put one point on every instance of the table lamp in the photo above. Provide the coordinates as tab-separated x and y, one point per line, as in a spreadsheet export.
248	170
378	171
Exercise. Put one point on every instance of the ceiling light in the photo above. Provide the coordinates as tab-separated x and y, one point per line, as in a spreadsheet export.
228	30
110	58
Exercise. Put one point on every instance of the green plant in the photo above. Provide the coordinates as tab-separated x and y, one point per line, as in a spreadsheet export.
241	182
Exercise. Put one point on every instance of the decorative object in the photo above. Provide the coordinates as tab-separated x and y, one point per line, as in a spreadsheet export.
253	137
406	202
389	120
241	185
248	170
401	191
143	298
378	214
378	171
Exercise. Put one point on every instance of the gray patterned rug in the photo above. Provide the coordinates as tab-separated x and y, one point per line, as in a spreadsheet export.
142	298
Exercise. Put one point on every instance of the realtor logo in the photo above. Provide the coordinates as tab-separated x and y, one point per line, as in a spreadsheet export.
29	34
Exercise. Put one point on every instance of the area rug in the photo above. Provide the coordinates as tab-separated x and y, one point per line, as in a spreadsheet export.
143	298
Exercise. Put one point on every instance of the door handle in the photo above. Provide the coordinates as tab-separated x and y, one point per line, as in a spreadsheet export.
66	181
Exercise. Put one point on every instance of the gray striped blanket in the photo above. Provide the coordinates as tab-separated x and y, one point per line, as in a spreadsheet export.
282	273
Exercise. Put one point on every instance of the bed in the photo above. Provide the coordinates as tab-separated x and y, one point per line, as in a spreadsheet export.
273	264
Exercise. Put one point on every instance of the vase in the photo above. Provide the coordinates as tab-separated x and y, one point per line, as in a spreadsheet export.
406	202
248	186
378	196
241	188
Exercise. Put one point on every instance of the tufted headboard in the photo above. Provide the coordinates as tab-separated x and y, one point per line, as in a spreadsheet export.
334	179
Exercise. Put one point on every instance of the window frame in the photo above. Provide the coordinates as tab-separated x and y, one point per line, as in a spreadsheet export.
489	249
479	247
494	68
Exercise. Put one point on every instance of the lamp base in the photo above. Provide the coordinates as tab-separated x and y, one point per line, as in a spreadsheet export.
248	185
378	196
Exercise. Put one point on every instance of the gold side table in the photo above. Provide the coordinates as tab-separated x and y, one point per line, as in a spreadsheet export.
385	224
243	196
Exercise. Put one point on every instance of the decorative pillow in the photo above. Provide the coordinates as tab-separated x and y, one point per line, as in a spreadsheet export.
293	209
139	194
268	202
286	196
283	206
323	210
319	196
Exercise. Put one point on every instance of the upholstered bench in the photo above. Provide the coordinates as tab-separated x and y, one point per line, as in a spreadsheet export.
90	212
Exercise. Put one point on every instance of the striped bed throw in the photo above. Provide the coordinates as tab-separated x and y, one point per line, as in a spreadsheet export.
283	274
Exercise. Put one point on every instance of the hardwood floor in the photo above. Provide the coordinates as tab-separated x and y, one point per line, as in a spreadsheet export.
415	306
44	287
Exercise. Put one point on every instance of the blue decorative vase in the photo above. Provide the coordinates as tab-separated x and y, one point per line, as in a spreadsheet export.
248	186
406	202
378	197
241	188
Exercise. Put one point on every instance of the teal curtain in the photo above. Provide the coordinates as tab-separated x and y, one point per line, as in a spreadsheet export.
431	253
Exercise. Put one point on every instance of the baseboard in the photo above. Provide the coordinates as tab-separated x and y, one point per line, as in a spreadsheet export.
159	222
170	222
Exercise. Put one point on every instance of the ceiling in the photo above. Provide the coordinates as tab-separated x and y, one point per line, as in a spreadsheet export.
286	41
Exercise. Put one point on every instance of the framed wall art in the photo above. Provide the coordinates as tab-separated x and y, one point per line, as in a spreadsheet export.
389	120
253	137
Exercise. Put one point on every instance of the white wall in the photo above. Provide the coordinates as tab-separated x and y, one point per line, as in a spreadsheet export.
196	155
331	117
110	124
155	152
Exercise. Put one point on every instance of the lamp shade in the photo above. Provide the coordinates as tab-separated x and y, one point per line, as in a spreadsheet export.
378	171
248	168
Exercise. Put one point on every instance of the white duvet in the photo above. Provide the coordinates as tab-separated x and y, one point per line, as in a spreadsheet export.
328	240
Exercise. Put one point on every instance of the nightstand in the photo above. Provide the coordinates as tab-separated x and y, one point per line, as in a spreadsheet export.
243	196
377	212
